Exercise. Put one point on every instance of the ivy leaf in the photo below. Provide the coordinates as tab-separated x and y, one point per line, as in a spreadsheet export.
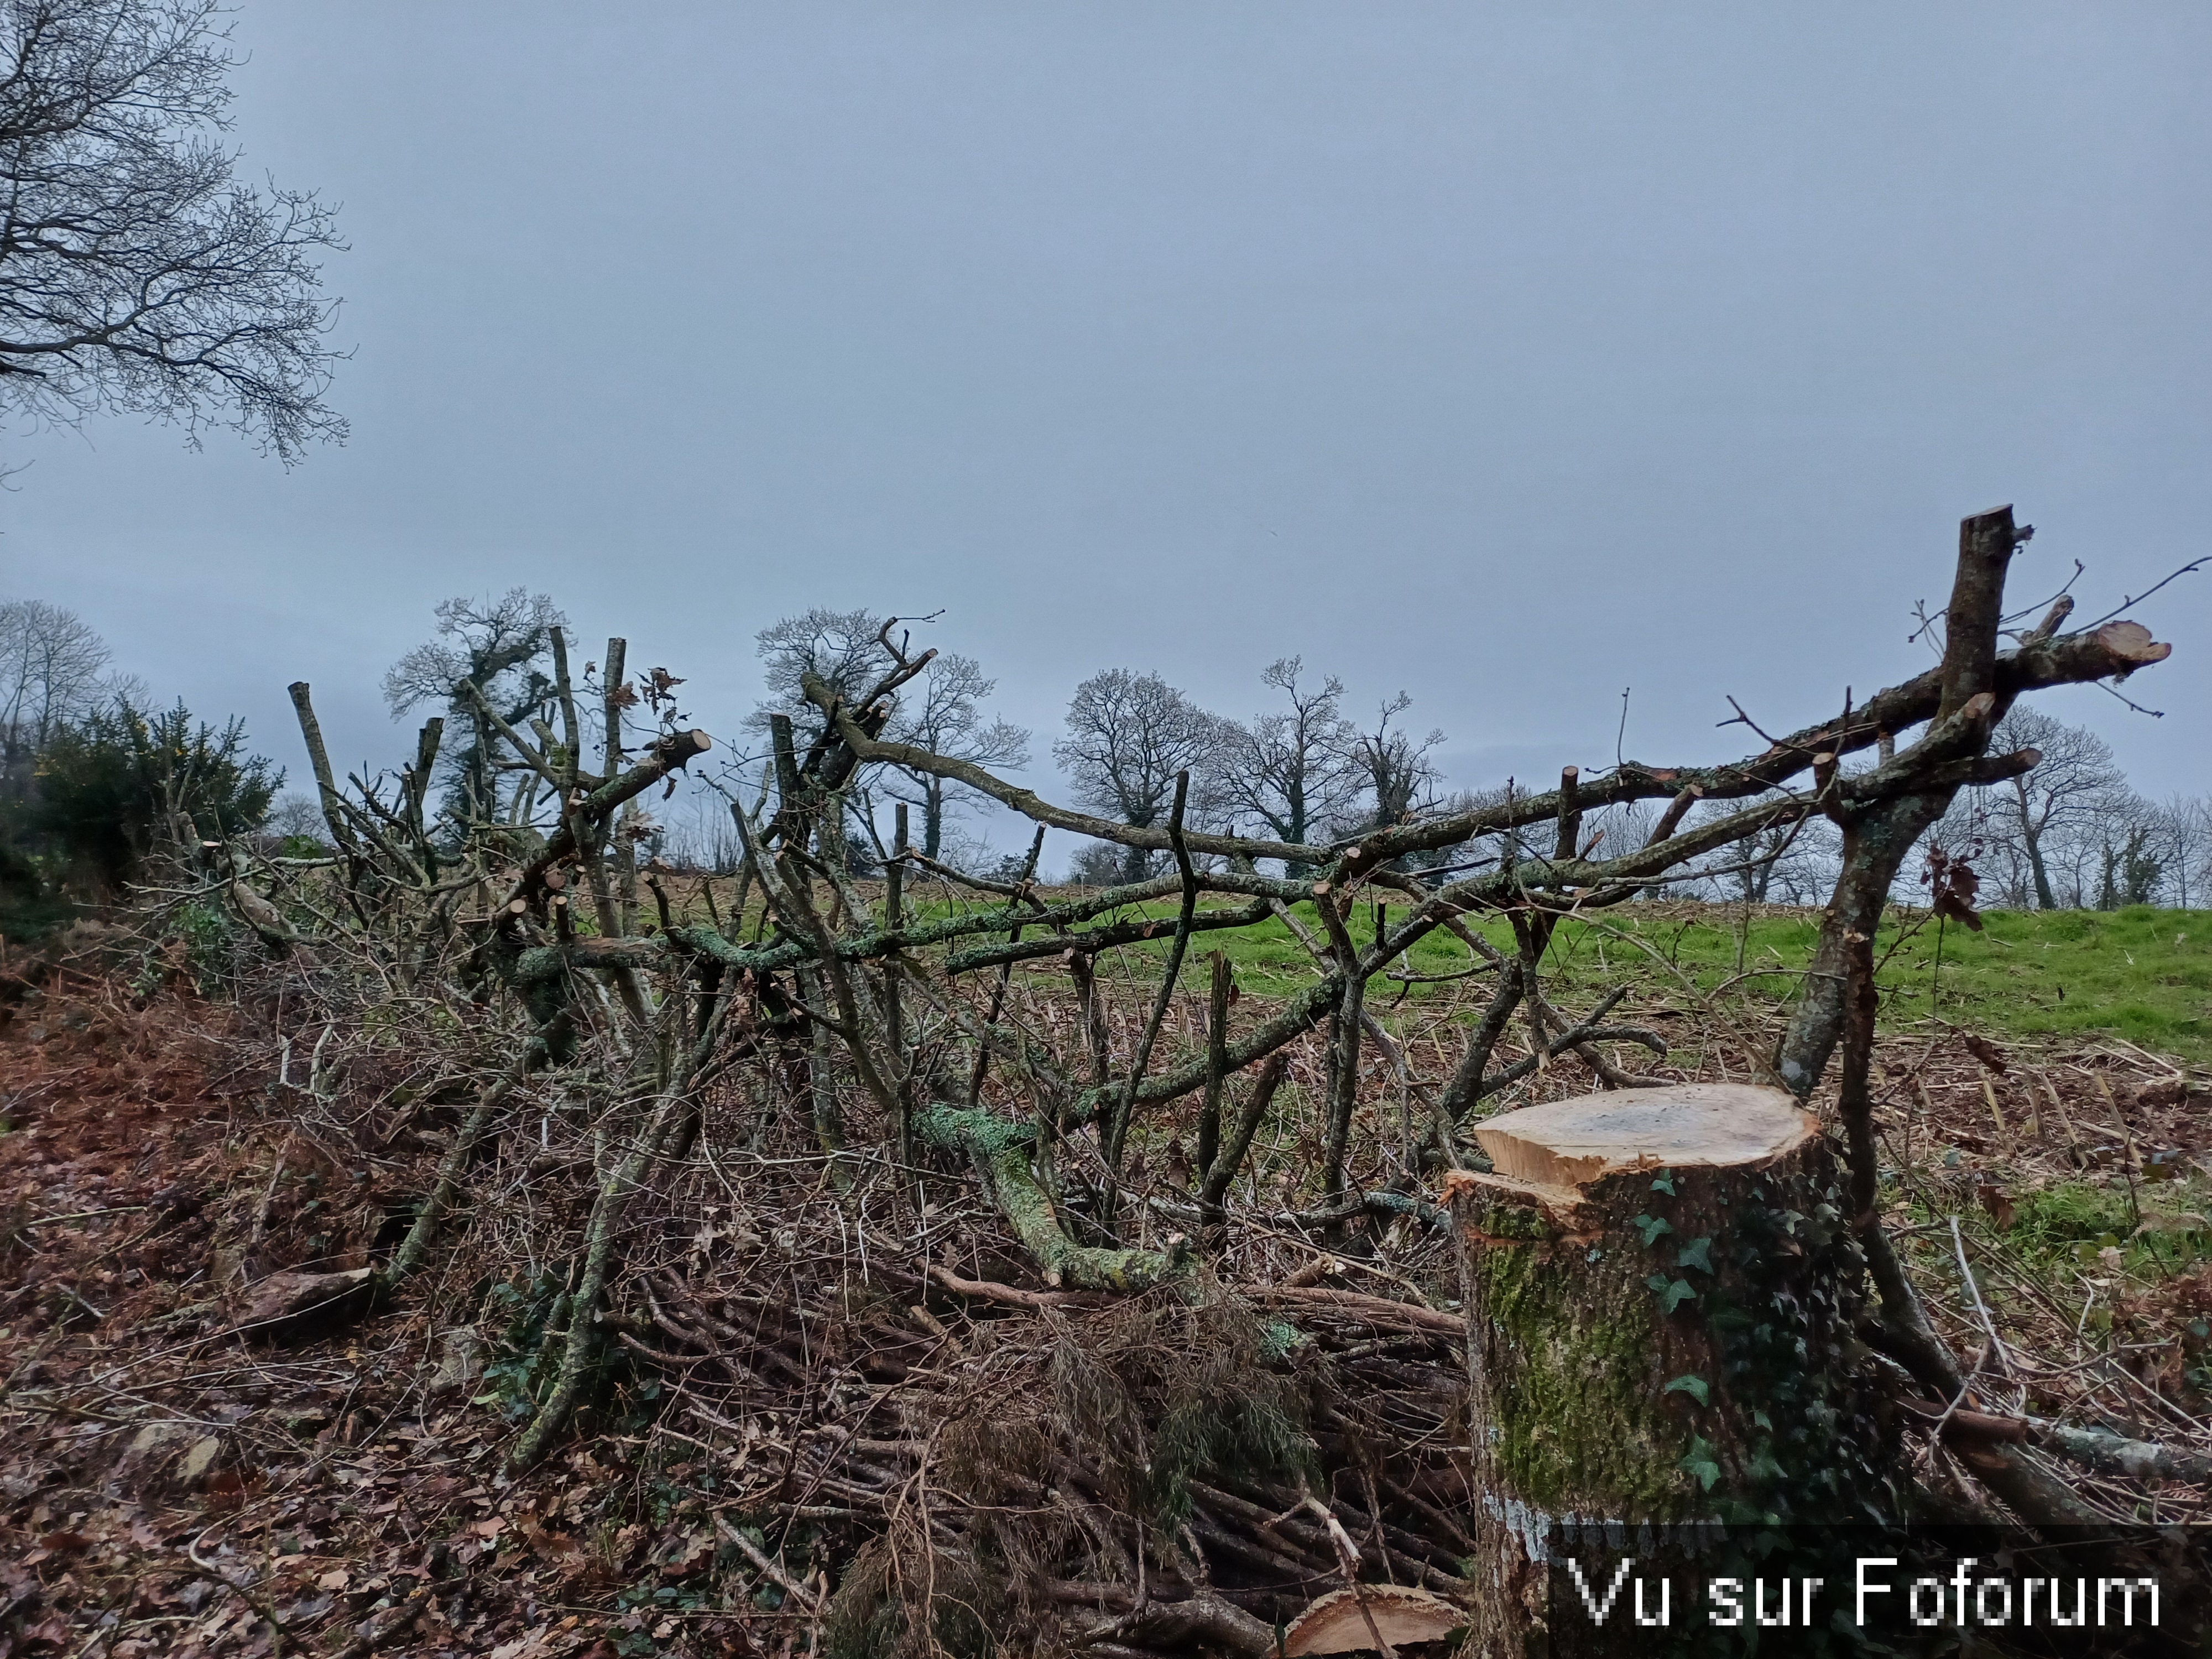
1699	1461
1764	1469
1651	1226
1694	1255
1665	1184
1693	1386
1672	1294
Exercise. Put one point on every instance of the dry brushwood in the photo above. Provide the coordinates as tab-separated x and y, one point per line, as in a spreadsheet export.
865	1179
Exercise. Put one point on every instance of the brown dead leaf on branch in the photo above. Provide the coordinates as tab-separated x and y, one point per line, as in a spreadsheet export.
1952	885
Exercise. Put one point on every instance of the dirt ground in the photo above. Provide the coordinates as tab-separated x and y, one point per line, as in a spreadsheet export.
168	1487
172	1484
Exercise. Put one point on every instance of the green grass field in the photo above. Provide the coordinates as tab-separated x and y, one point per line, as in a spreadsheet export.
2059	976
2143	974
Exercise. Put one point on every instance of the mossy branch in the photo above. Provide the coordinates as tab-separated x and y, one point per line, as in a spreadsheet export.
999	1149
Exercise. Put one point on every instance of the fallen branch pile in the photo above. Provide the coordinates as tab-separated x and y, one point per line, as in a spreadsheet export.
947	1269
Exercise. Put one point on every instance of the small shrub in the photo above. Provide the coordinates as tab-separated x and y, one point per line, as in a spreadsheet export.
121	781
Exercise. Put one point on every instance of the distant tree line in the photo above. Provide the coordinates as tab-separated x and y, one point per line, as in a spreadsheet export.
139	274
2071	833
93	776
2074	834
1301	772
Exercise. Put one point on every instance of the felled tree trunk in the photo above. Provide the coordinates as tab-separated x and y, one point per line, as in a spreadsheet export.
1662	1283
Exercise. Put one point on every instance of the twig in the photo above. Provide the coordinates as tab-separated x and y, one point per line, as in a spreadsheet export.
752	1552
1989	1327
1011	1295
1118	1129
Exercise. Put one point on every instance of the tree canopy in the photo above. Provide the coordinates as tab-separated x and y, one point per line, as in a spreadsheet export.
138	273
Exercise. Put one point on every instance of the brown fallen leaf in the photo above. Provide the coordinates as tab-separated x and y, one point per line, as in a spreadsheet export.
54	1629
1998	1201
1985	1051
225	1491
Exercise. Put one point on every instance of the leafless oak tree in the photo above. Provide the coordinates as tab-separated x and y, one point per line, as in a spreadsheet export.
1395	768
2060	802
484	665
2186	824
938	709
1128	736
136	273
1293	770
843	649
942	713
52	668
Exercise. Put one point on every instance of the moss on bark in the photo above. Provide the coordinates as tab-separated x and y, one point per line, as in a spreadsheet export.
1680	1348
999	1149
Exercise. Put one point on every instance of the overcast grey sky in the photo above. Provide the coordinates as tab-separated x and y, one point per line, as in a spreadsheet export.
1509	354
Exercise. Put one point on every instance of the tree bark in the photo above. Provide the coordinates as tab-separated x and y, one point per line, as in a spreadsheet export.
319	759
2044	898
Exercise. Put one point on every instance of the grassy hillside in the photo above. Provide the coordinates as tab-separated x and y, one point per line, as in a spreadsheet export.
2142	973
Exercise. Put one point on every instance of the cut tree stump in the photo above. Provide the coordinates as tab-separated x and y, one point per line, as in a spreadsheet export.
1665	1284
1352	1621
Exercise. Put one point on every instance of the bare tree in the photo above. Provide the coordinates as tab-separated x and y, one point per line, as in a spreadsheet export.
2052	811
1785	864
497	646
1396	770
52	668
844	649
136	274
1129	735
944	715
294	816
1293	770
849	653
1097	864
2185	821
